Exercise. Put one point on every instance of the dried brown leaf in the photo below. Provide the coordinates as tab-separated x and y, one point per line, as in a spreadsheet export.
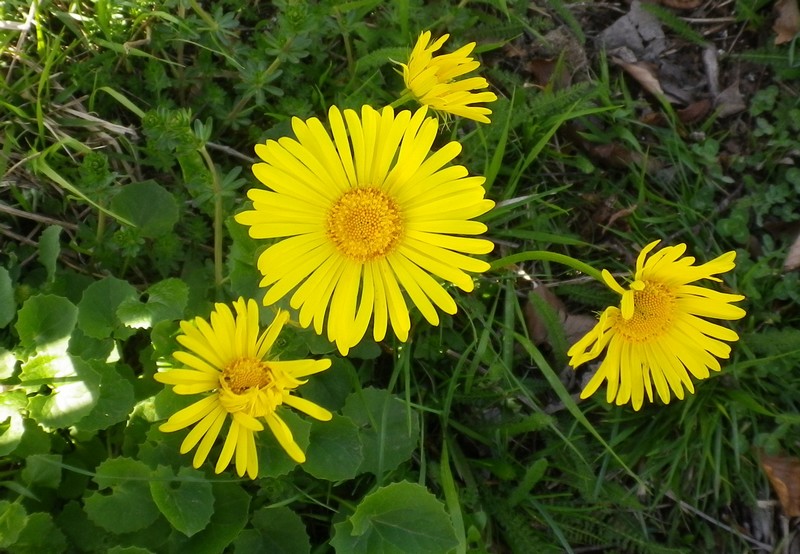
682	4
792	260
541	69
615	154
638	31
691	114
730	101
784	475
695	112
645	75
536	326
624	212
577	325
787	24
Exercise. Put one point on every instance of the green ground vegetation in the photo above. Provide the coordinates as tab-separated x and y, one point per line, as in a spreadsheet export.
126	136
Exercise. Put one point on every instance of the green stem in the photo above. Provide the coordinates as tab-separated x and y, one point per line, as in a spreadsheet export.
273	67
204	15
101	225
217	216
405	97
543	255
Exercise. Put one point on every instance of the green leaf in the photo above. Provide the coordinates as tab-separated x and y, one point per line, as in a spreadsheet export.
401	517
8	306
40	165
39	535
149	206
242	271
331	388
153	537
82	534
43	470
12	424
161	448
166	403
134	314
12	520
45	322
231	508
35	440
49	249
98	307
532	476
8	363
166	300
129	550
187	502
75	387
247	542
334	450
345	542
277	531
129	506
115	400
388	431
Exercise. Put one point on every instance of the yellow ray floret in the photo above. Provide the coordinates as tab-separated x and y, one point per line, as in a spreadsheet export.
432	79
229	361
658	338
369	216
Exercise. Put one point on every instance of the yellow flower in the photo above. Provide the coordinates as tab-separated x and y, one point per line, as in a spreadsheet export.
430	79
659	335
366	215
229	359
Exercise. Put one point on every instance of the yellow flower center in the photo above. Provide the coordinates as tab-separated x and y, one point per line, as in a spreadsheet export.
365	224
653	308
245	374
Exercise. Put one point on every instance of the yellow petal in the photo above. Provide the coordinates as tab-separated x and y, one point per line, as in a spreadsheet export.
190	414
210	437
284	437
301	368
398	311
307	407
411	287
243	442
269	336
228	448
200	430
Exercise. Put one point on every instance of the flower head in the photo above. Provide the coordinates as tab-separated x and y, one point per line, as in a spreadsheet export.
229	359
658	336
366	214
431	79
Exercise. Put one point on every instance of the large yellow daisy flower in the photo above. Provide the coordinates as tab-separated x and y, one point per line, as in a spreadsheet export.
658	336
431	79
229	359
367	214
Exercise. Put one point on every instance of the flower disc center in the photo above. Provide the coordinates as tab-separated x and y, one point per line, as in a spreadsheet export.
653	309
364	224
245	374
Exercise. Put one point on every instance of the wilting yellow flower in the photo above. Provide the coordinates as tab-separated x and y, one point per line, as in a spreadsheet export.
658	335
430	79
365	222
229	359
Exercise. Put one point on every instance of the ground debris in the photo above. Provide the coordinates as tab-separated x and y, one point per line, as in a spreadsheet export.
787	23
784	475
